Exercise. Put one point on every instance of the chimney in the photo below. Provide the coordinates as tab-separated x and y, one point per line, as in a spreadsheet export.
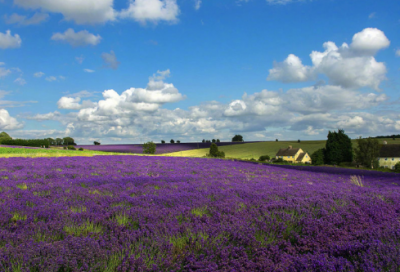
290	147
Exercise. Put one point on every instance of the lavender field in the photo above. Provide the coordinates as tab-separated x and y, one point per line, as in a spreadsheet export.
127	213
160	148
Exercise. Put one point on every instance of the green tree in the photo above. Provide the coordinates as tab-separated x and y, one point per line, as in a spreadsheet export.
338	148
69	141
162	141
203	141
213	140
59	141
214	152
51	141
367	152
237	138
318	157
172	141
218	141
149	148
178	141
96	143
4	136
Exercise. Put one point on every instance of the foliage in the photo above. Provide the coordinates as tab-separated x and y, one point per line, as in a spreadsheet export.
65	147
276	140
264	158
215	153
203	141
149	148
213	140
367	152
96	143
68	141
71	147
318	157
172	141
59	141
162	141
279	160
338	148
298	140
80	149
397	167
237	138
218	141
4	136
30	142
178	142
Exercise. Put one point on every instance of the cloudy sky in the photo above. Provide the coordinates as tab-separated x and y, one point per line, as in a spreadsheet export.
129	71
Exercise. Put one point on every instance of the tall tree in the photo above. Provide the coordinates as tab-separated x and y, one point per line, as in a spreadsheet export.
237	138
367	152
59	141
69	141
338	148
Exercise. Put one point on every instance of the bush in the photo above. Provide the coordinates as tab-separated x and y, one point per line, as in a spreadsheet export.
65	147
22	142
264	158
252	159
149	148
279	160
71	147
397	167
96	143
215	153
80	149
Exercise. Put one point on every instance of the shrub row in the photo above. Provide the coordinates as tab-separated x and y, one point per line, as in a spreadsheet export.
29	142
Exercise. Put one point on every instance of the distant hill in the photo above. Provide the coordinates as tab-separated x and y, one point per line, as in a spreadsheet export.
4	136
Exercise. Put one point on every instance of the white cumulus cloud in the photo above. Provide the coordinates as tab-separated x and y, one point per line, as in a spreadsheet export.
88	70
152	11
81	12
20	81
7	122
9	41
348	66
75	39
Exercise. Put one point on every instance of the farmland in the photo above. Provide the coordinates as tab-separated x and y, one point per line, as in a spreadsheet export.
160	148
117	213
33	152
257	149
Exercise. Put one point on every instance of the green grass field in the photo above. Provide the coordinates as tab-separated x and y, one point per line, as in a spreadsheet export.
255	150
6	152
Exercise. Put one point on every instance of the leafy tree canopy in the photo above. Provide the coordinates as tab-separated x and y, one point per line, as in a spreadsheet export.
338	148
149	148
367	152
237	138
318	157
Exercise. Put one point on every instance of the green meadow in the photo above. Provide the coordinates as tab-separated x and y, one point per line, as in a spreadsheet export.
255	150
7	152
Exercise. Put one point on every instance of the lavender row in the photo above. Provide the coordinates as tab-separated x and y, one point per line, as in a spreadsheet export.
125	213
160	148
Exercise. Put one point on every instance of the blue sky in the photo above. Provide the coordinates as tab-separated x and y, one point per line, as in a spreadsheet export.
129	71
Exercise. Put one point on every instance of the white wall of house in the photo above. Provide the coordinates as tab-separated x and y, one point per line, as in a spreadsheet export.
388	162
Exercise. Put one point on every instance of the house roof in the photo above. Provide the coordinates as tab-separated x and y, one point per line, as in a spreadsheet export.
301	156
287	151
390	150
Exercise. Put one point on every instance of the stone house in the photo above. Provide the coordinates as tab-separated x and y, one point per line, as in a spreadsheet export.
294	155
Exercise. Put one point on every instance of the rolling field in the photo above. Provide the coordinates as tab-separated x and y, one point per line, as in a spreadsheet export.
130	213
255	150
33	152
